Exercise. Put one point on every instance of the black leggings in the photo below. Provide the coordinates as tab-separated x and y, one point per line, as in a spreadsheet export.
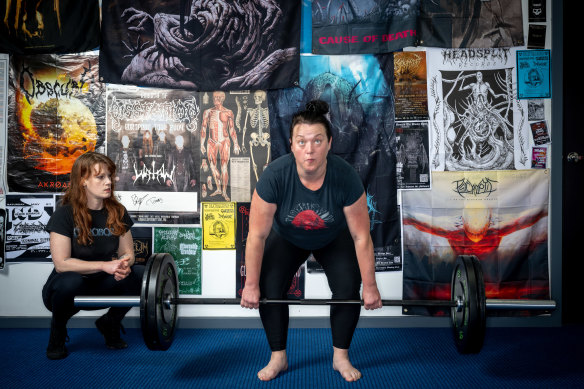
281	261
61	288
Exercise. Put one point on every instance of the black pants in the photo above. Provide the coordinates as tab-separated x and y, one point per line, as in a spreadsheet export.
281	261
61	288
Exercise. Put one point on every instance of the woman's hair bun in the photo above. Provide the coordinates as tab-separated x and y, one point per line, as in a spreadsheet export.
318	107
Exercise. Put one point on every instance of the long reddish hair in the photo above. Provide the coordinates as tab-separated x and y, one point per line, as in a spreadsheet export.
84	166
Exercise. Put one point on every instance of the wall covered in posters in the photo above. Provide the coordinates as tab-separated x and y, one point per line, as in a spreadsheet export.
454	106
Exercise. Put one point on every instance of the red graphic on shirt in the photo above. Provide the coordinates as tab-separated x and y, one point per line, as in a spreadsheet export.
308	220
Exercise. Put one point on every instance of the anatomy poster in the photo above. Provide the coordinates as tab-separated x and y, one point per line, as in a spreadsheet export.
358	91
235	144
499	216
470	23
363	27
201	45
153	138
476	121
184	244
26	219
410	85
49	26
56	113
219	225
413	167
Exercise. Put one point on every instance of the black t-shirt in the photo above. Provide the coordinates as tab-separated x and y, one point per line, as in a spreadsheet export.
105	244
309	219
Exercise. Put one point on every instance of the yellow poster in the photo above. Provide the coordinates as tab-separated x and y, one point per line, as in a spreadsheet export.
219	221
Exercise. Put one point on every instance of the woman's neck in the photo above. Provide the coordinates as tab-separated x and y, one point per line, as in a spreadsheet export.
95	204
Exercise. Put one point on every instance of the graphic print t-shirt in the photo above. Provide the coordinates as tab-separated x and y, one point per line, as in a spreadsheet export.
105	243
309	219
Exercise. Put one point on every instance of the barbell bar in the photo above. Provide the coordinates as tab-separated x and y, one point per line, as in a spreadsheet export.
159	299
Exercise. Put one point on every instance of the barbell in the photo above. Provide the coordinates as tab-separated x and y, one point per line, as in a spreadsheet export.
159	299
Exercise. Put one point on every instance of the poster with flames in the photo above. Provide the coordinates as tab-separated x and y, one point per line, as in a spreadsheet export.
499	216
56	112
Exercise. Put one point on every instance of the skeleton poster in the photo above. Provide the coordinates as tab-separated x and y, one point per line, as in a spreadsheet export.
184	244
358	91
49	26
56	112
219	225
235	144
26	219
476	121
499	216
413	164
153	138
363	27
201	45
470	23
410	85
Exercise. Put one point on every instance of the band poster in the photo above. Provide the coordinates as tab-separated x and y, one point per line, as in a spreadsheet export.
476	121
470	23
235	144
413	161
358	91
4	66
410	85
56	112
499	216
201	45
49	26
142	237
534	74
2	235
219	225
296	290
26	219
355	27
153	138
184	244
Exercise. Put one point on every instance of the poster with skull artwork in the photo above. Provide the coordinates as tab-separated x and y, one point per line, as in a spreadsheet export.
56	112
476	121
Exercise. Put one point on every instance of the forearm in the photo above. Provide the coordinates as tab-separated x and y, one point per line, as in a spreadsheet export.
79	266
366	260
254	253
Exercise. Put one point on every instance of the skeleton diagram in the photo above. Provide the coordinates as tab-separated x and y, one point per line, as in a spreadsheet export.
259	120
220	123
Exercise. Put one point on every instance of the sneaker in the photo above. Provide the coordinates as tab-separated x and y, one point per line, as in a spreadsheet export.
56	348
110	329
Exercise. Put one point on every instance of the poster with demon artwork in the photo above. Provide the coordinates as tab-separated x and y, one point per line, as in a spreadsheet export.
4	66
153	138
476	121
470	23
201	44
235	144
49	26
363	27
358	91
56	112
499	216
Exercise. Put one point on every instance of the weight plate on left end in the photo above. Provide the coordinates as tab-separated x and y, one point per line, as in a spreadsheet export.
158	317
468	321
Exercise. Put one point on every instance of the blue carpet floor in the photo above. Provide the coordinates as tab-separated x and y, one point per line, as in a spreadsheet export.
226	358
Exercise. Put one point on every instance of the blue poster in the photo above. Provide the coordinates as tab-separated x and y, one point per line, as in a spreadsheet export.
534	74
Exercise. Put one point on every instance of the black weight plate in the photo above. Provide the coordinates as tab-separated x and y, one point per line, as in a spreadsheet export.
466	322
158	318
482	304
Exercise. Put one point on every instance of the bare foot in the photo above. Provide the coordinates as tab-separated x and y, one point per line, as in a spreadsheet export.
342	364
278	362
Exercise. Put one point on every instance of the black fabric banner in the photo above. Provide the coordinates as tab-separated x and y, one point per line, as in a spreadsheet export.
353	27
202	45
49	26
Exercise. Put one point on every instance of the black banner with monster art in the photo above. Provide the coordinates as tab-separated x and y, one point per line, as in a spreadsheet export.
56	112
358	91
201	45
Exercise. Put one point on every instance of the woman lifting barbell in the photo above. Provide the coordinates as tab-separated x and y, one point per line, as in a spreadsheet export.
309	201
92	250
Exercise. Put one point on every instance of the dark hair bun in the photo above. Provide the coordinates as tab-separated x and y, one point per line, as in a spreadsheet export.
318	107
